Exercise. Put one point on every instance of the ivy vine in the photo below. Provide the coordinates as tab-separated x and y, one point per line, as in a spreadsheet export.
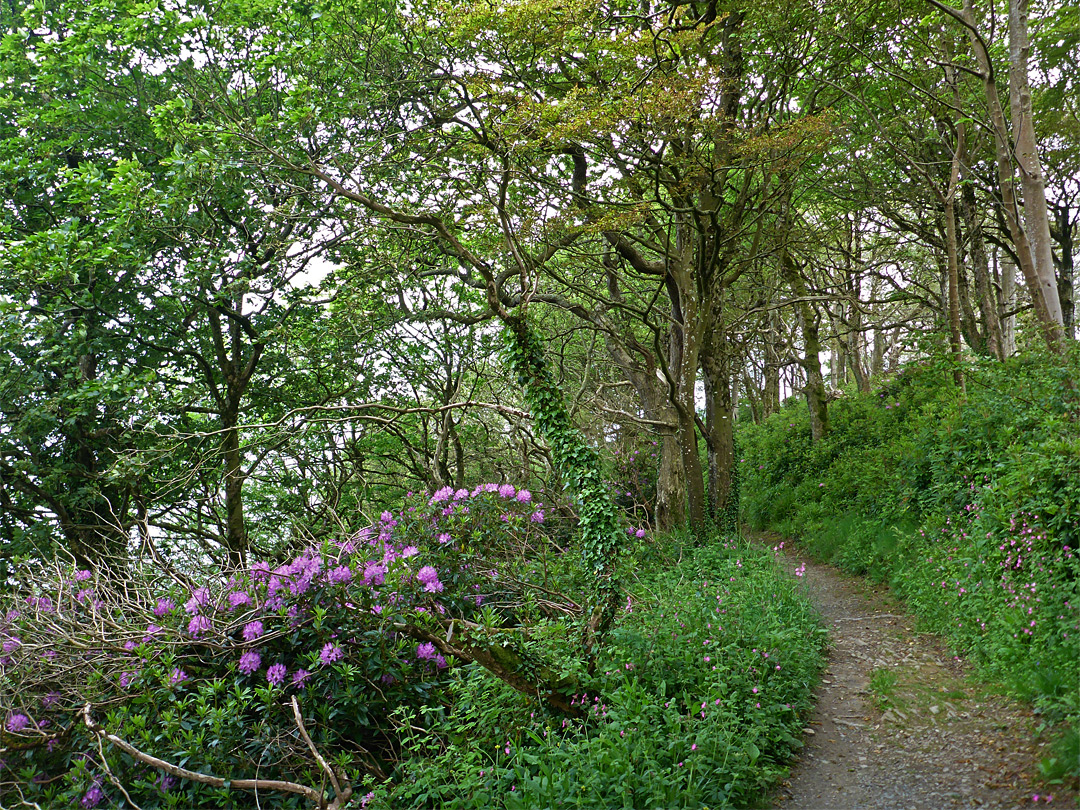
579	466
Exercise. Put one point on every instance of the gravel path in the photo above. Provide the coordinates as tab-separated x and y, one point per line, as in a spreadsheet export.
899	724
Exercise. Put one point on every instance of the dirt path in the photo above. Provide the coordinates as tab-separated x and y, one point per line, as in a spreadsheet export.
899	725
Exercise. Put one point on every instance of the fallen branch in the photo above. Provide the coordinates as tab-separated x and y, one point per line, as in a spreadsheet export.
309	793
529	677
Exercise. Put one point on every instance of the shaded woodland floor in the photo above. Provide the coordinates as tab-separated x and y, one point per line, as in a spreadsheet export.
900	723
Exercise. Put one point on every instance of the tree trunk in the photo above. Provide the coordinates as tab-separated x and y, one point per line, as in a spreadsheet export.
579	465
684	350
969	326
652	393
1036	216
771	394
811	359
980	266
1008	303
670	486
1040	280
236	539
719	423
956	349
1065	274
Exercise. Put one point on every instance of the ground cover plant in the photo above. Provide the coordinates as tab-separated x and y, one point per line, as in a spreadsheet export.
968	506
698	701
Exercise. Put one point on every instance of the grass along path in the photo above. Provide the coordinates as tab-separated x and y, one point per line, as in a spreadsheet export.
899	722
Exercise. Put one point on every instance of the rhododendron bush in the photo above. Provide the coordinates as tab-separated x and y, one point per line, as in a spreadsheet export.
285	679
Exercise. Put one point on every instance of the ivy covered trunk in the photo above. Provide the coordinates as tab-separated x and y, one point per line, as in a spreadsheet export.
579	466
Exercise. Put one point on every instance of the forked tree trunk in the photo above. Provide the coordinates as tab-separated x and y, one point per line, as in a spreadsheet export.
719	424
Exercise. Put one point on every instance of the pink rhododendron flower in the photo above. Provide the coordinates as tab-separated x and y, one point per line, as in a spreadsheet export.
198	624
249	662
276	673
430	577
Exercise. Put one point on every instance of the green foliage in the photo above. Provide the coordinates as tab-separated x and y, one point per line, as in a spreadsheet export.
599	526
696	702
968	507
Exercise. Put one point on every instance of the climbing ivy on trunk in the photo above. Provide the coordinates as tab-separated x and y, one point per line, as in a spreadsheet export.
579	466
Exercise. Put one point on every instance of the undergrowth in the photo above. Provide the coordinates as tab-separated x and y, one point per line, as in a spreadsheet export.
696	702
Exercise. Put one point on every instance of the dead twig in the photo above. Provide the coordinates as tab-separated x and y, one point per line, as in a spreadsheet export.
183	773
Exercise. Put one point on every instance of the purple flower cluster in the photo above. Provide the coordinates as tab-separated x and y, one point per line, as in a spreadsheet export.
249	662
93	796
430	579
276	673
339	575
200	598
42	603
199	624
427	652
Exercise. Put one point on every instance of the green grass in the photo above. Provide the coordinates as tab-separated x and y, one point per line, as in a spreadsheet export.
883	686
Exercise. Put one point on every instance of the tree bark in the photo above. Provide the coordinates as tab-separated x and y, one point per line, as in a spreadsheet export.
1008	302
1066	271
719	422
980	266
811	359
236	539
1040	279
684	352
955	346
1036	216
771	394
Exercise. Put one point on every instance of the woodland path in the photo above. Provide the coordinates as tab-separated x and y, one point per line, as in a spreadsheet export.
928	736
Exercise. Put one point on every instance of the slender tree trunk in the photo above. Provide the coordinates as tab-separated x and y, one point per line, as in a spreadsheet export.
719	422
1008	303
856	353
980	266
236	539
771	393
956	348
811	359
969	325
1039	278
877	361
892	356
1066	273
1036	215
